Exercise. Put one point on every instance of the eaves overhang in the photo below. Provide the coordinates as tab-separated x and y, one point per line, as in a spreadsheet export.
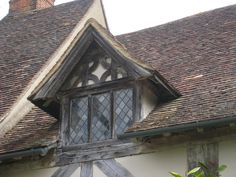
181	128
45	93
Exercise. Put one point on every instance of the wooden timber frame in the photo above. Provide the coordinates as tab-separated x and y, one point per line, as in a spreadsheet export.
141	145
52	96
109	88
45	97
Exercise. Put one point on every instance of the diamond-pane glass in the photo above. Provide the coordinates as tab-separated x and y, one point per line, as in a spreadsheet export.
101	120
123	110
79	121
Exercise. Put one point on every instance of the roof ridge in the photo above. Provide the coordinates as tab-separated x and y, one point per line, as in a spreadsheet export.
197	15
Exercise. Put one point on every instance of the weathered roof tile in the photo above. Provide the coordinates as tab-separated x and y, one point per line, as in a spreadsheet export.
27	41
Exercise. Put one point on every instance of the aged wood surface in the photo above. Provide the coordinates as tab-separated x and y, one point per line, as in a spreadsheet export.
123	148
207	153
66	171
86	169
103	152
111	168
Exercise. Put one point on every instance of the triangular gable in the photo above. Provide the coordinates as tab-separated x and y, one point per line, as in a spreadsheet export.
93	35
95	67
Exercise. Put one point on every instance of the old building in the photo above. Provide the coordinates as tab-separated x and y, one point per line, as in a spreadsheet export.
77	101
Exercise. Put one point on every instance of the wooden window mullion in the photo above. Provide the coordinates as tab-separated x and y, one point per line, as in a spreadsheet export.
112	115
90	115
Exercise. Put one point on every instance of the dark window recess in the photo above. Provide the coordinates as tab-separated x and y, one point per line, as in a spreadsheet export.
93	117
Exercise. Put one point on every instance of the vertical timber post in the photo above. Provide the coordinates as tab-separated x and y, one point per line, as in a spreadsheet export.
86	169
207	153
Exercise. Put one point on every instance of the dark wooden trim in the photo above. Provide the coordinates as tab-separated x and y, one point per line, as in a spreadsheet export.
90	115
54	83
132	67
89	93
102	87
113	118
106	151
64	126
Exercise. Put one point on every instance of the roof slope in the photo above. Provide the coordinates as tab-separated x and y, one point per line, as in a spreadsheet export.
37	129
197	55
28	40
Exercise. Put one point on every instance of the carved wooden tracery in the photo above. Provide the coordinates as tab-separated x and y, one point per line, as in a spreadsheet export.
96	67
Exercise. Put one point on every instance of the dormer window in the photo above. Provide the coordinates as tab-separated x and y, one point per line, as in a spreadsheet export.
99	99
98	90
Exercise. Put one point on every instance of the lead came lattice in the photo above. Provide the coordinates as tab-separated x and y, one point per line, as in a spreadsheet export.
123	110
79	121
101	120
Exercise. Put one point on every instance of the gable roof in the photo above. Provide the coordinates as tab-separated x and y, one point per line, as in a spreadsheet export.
94	32
197	55
28	40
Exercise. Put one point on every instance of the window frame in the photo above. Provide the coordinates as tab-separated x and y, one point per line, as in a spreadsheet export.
108	87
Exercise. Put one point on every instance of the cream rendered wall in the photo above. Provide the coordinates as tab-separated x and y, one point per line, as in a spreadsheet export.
227	156
156	164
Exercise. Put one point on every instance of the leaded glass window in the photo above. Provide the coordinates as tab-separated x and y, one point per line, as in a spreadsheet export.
79	121
123	110
99	117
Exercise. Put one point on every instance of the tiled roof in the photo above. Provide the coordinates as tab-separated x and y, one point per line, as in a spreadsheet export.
28	40
197	55
37	129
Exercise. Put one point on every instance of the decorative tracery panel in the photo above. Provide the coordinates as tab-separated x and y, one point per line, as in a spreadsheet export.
95	68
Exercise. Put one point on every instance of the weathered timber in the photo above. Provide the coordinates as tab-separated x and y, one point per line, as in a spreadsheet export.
55	82
105	152
86	169
66	171
115	149
206	153
66	108
142	146
111	168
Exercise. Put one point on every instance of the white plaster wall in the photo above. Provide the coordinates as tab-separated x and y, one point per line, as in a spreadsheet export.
157	164
149	101
227	156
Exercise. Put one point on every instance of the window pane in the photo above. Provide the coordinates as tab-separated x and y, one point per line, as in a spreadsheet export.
79	121
101	120
123	110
